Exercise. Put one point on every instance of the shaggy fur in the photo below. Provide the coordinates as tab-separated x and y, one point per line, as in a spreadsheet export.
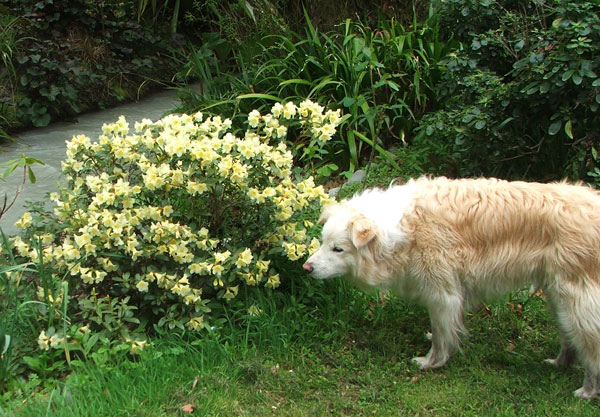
449	244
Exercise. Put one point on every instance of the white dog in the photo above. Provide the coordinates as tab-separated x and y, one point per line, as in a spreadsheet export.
450	244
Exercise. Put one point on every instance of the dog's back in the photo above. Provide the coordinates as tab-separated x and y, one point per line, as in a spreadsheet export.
508	232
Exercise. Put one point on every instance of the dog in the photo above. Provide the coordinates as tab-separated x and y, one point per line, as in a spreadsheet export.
451	244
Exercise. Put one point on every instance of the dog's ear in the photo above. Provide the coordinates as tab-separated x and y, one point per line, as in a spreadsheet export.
328	210
362	230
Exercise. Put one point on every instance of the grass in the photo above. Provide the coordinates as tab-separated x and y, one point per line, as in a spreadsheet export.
335	352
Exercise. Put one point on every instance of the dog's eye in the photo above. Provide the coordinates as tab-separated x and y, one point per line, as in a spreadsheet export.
337	249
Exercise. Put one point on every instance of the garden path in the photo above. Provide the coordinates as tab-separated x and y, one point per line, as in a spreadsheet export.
48	145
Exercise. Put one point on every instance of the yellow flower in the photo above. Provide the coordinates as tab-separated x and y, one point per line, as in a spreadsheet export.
56	341
230	293
256	195
43	341
24	222
273	281
244	258
196	187
262	266
289	110
137	346
218	270
142	286
221	257
84	329
254	118
253	310
269	192
314	246
277	109
47	238
122	187
82	240
199	268
250	278
226	165
21	247
239	173
196	323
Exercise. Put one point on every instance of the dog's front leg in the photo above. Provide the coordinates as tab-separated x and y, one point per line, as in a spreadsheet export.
446	315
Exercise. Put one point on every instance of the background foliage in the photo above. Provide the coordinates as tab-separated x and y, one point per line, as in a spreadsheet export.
521	98
508	88
66	57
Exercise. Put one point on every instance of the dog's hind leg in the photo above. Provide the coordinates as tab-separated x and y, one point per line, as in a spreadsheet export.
566	356
568	353
578	311
446	315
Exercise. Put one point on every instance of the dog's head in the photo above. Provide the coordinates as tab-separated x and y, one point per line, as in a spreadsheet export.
345	233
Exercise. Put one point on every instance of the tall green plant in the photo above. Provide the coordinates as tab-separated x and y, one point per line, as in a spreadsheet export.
157	10
383	78
9	39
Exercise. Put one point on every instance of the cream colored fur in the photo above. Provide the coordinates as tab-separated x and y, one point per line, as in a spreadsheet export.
449	244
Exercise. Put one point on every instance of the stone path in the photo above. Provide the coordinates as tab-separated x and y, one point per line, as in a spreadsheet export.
48	145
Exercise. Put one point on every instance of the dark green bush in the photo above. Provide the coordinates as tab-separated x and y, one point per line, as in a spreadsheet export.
522	97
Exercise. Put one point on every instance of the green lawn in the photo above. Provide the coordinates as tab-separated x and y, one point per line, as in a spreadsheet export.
341	354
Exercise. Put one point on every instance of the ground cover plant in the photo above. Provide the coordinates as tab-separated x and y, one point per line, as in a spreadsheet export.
329	350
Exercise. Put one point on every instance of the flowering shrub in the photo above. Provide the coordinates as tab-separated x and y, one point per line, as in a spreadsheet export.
160	223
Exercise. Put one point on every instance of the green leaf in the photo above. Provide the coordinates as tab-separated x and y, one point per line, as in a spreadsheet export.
577	78
567	74
505	122
348	101
569	129
352	150
6	345
556	23
295	81
554	127
258	95
30	161
42	121
386	154
519	45
31	175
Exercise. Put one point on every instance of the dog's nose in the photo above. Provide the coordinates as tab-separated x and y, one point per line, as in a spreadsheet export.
307	267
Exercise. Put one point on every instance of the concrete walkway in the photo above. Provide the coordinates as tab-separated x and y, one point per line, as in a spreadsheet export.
48	145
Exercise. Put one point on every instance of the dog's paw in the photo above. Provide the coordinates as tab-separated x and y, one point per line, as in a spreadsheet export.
585	394
429	336
423	362
563	361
